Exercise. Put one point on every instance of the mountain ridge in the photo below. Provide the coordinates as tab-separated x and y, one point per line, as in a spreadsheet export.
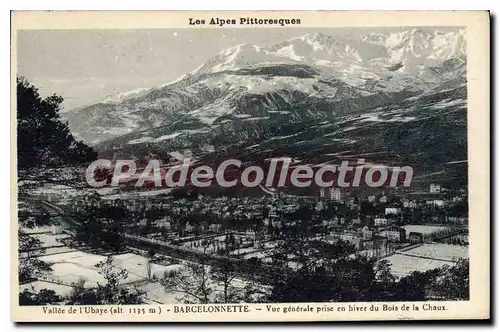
257	101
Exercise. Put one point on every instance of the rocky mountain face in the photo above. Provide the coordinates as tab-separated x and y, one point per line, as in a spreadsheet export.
396	97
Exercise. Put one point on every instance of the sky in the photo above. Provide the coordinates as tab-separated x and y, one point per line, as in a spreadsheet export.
87	66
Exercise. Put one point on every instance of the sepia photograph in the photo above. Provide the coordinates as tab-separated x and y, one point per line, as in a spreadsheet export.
250	163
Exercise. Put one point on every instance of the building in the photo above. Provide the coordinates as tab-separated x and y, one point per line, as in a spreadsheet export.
381	222
394	233
273	212
276	223
333	194
434	188
356	222
189	228
410	204
319	206
163	224
415	237
392	210
435	202
458	220
351	203
290	208
215	228
367	233
376	246
354	239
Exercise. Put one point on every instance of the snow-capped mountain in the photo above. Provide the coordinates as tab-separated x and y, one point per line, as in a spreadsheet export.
320	90
127	95
418	44
353	61
250	92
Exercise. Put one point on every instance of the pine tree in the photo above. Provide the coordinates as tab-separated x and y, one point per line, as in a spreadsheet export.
42	138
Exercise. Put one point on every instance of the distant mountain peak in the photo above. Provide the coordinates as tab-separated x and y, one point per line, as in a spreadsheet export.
310	65
319	40
123	96
415	47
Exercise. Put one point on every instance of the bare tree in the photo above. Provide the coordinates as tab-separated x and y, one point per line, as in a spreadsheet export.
112	292
216	283
194	282
150	256
225	272
30	266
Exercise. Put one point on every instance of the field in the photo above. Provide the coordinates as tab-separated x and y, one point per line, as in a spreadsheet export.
136	265
49	240
217	243
155	293
39	285
37	229
440	251
424	229
425	257
70	267
402	265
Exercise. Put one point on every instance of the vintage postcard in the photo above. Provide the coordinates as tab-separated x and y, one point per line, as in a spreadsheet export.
250	166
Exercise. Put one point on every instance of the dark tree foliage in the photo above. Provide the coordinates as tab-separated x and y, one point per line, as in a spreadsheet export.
100	233
42	138
43	297
333	273
413	287
30	266
452	283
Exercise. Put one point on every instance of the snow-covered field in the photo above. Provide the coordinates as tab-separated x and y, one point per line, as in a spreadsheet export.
402	265
425	257
137	265
257	254
424	229
36	229
439	251
155	293
262	253
58	250
134	194
72	266
59	190
242	251
39	285
50	240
